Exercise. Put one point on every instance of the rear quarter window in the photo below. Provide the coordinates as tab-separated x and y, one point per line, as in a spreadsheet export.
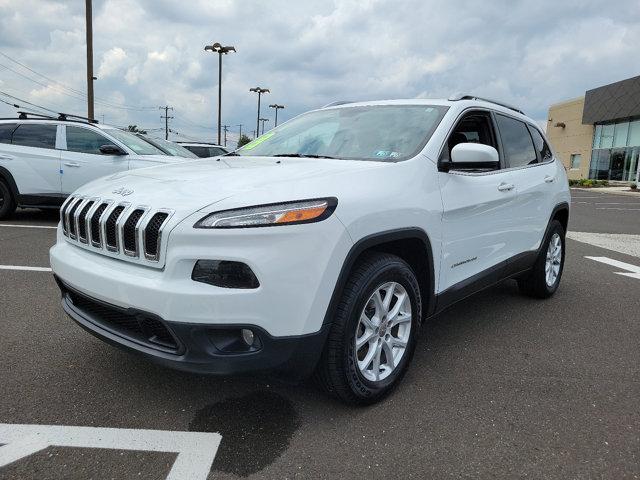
541	146
6	132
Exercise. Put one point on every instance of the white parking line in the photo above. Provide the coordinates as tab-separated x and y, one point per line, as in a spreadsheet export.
26	226
633	271
617	208
196	450
27	269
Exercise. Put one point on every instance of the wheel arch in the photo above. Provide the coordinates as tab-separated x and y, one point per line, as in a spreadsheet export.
410	244
561	213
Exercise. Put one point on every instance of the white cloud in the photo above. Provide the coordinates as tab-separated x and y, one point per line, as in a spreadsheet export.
151	52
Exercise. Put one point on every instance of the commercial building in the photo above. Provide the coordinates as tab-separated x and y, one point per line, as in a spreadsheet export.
598	135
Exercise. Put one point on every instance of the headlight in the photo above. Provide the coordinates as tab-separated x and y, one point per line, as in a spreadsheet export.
289	213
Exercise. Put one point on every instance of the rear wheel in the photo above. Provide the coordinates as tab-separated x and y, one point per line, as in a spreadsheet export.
373	336
544	279
7	202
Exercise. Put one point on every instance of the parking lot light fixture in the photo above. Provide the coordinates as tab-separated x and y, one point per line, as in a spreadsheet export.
220	50
259	91
277	107
263	120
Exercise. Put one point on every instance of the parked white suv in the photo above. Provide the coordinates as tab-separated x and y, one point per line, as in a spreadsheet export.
321	246
43	160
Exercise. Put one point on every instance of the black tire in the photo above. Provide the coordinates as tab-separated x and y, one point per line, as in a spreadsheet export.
535	283
338	372
7	202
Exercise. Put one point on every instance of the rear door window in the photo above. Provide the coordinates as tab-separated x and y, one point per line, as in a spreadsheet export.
35	135
516	142
6	132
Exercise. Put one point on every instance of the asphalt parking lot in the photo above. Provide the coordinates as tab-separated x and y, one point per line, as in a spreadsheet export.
501	386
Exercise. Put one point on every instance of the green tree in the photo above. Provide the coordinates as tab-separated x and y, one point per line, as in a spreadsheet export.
243	140
135	129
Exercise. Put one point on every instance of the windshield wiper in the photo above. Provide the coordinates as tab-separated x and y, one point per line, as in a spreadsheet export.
302	155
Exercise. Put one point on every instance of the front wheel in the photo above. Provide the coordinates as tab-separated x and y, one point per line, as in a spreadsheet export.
544	279
373	336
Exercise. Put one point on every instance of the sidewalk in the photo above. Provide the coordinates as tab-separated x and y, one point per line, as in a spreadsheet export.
614	190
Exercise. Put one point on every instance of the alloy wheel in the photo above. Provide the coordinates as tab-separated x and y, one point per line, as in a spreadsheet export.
383	331
554	259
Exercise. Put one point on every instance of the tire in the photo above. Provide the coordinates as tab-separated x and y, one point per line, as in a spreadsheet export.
339	371
538	284
7	202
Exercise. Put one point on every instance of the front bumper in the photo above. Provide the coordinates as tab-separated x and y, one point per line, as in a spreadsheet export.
191	347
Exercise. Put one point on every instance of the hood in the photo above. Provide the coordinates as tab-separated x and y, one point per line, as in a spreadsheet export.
188	186
140	161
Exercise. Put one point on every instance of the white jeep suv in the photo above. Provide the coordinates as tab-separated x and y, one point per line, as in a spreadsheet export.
43	160
321	246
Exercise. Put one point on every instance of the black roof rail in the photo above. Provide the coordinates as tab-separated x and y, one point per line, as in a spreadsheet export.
22	115
65	116
464	96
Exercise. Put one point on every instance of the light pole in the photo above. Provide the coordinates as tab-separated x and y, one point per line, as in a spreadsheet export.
216	47
259	91
263	120
277	107
90	77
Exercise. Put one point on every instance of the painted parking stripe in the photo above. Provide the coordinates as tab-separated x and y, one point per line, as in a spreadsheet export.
23	268
11	225
633	271
196	450
617	208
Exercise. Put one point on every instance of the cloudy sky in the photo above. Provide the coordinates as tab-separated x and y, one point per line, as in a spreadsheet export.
149	53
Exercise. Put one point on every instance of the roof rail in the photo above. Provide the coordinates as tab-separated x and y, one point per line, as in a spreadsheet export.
22	115
335	104
464	96
65	116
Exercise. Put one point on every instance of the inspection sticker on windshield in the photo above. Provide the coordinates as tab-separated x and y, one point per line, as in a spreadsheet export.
258	141
387	153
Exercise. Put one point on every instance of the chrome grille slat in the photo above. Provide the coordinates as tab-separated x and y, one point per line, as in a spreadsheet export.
114	229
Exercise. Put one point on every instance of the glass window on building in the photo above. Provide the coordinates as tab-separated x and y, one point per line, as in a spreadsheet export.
620	131
606	139
634	134
576	158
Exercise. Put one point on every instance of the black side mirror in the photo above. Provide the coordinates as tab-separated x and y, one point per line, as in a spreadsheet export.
111	149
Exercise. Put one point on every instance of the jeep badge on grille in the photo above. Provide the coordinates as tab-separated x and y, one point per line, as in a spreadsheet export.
122	191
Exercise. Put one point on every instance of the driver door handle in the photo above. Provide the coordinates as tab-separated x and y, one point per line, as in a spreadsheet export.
549	179
506	187
72	164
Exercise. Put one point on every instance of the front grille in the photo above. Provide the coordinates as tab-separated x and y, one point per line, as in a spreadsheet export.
141	327
152	234
82	222
96	239
131	232
71	216
111	232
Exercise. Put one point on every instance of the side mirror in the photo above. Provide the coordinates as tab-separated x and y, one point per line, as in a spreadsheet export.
111	149
473	155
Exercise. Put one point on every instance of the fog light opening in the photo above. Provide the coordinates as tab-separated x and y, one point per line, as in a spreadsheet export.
247	336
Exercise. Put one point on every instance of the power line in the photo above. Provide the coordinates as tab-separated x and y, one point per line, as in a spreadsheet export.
64	89
25	101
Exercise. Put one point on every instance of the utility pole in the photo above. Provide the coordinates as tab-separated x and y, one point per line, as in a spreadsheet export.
220	50
240	134
166	117
259	91
226	129
90	77
277	107
263	120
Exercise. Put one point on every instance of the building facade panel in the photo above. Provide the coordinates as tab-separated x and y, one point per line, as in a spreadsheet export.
570	138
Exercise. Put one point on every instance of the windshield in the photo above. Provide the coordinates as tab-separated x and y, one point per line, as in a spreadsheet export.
171	148
135	143
378	132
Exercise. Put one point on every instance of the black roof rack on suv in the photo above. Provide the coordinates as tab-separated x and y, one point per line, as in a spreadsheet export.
22	115
464	96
